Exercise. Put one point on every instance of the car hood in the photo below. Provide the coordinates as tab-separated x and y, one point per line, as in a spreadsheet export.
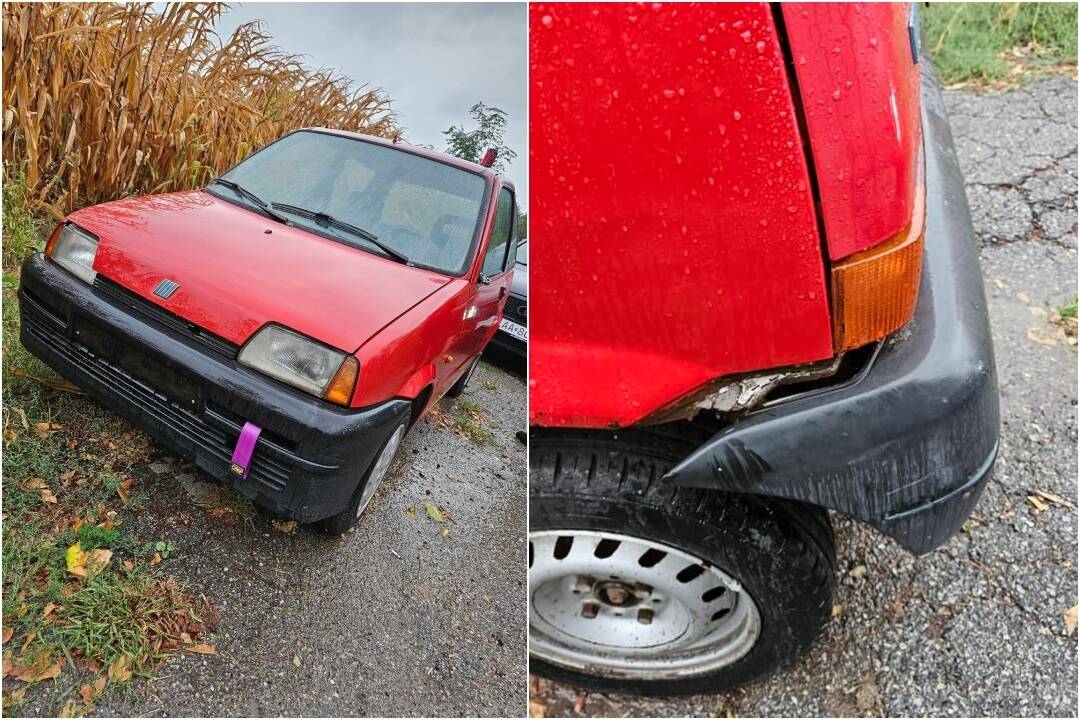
238	270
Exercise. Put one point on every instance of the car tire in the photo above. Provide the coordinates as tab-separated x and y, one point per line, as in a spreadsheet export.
459	387
380	467
603	491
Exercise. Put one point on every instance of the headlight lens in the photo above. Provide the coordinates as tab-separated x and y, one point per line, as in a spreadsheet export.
301	362
74	250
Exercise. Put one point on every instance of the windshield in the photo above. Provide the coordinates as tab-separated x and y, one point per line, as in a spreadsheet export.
419	208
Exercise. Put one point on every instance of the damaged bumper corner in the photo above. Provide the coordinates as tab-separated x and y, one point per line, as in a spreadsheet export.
908	444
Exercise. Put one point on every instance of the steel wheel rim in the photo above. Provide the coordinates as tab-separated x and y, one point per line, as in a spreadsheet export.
380	468
678	614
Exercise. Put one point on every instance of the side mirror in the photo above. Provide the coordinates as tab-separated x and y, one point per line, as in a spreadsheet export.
484	279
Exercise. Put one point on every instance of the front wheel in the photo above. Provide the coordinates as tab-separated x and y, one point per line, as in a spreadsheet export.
640	587
365	490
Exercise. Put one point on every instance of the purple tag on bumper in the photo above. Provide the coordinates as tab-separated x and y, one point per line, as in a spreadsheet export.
245	447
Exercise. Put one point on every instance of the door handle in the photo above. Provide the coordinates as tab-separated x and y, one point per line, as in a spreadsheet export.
502	292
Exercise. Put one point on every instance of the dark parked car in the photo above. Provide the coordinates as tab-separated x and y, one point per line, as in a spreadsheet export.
513	333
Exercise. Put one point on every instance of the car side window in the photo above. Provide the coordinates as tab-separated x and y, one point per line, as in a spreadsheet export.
495	258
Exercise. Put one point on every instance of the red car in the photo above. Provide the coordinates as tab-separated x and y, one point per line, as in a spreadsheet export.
761	303
284	326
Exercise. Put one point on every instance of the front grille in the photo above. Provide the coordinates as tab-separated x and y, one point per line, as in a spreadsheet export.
162	318
178	423
516	310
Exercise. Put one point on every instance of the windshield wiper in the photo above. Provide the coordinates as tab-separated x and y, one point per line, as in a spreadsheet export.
244	192
325	219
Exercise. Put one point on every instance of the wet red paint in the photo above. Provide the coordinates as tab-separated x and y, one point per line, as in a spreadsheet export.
860	97
401	322
673	223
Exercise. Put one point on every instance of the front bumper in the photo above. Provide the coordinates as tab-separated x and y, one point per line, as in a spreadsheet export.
193	397
909	443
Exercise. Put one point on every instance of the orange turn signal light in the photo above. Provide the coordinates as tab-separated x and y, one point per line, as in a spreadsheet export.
52	240
874	292
340	389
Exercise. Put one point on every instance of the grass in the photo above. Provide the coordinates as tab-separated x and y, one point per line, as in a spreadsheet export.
65	465
999	43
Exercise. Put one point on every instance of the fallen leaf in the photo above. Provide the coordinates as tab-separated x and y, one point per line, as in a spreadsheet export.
155	560
201	648
124	488
15	697
97	560
1022	297
445	532
10	435
94	666
837	610
47	496
434	512
185	639
120	669
48	610
1036	311
858	571
296	660
43	669
86	692
128	565
34	484
8	632
76	561
99	684
1070	621
55	383
999	282
42	429
411	513
284	526
9	664
1036	334
1038	504
537	709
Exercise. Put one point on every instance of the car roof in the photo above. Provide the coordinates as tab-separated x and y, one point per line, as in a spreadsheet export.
416	150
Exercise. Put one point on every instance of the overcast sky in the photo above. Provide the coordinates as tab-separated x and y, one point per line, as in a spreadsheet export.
434	60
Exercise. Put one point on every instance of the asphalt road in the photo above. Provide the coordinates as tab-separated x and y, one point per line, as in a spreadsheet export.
975	629
393	619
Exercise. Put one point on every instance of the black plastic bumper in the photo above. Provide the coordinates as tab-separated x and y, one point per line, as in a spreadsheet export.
193	400
907	445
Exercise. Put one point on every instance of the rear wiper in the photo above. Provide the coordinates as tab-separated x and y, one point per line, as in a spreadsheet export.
240	190
326	219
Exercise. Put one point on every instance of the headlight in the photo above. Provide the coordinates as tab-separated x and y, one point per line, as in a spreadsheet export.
74	250
303	363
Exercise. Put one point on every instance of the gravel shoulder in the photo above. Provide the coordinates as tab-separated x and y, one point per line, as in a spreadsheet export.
976	628
393	619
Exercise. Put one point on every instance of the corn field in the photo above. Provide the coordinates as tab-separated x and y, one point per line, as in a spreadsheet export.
102	101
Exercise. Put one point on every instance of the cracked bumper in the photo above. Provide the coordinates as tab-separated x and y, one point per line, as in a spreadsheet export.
908	444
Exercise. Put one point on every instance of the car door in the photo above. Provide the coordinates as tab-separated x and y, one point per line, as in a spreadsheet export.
493	283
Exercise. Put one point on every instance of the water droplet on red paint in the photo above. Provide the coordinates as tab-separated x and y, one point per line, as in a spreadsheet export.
760	46
547	21
836	94
745	36
737	115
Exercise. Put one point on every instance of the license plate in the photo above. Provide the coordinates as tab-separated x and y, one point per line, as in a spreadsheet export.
514	330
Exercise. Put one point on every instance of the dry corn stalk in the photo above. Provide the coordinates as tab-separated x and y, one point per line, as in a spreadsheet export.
101	101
